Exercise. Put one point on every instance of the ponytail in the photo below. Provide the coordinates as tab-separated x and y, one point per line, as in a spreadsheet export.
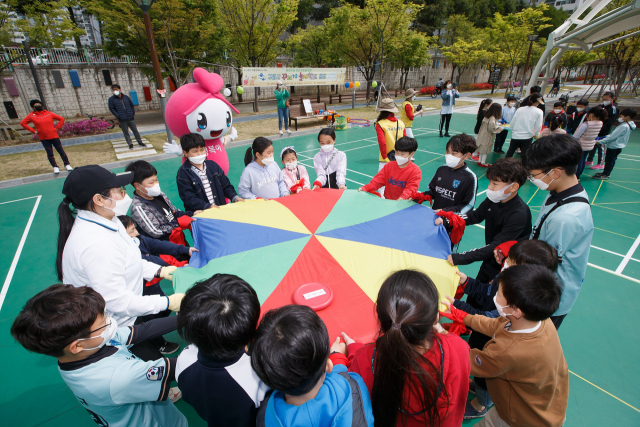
532	99
556	123
248	157
66	220
483	104
258	146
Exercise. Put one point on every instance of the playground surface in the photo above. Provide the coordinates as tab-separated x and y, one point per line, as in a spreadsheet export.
600	353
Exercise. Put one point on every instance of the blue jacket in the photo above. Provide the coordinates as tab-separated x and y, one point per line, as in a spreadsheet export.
445	97
483	294
155	247
192	192
122	107
332	406
620	135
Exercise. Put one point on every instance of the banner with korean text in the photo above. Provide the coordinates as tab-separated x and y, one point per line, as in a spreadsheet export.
267	77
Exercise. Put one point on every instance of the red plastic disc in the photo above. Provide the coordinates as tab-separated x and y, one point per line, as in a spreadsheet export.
314	295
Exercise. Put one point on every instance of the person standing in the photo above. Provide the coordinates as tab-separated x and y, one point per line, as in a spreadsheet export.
121	107
508	112
611	107
526	123
408	111
282	96
47	133
449	95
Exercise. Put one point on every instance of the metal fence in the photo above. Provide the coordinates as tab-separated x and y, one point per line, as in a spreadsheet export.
65	56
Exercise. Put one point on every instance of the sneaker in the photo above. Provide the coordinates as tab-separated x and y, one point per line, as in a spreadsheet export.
68	167
175	394
289	131
131	147
281	133
142	144
601	176
56	170
475	159
447	134
483	165
470	412
441	135
597	167
597	175
472	386
588	164
169	348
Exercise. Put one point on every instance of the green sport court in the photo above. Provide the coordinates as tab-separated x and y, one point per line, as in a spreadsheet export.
604	377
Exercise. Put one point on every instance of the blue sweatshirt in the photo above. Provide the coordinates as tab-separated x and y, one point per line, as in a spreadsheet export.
483	294
620	135
266	182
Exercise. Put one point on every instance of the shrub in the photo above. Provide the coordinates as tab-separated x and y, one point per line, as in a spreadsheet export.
514	84
93	126
427	90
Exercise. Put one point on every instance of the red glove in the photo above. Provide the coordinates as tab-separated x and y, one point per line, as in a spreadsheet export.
294	188
460	290
153	281
185	222
172	261
317	183
177	237
421	198
505	247
457	225
457	316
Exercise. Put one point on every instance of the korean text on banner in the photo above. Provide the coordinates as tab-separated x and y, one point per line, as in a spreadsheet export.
268	77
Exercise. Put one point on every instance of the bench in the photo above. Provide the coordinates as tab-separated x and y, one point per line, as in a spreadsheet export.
297	112
346	96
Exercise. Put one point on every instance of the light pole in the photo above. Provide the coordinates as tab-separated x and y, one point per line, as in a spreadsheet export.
531	38
33	73
145	5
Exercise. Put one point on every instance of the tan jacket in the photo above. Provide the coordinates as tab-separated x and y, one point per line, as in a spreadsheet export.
488	131
527	374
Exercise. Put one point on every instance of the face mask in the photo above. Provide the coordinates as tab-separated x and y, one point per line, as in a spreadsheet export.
501	309
413	98
198	160
580	110
620	119
116	92
512	104
291	166
496	196
540	183
107	334
505	266
38	108
153	191
557	111
122	206
449	86
401	160
267	160
327	148
606	102
452	161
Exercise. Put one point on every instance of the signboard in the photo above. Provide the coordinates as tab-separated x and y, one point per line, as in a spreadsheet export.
494	77
267	77
307	106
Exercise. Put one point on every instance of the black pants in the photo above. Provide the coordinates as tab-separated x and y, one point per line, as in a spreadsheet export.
523	144
557	320
331	181
125	125
49	145
444	121
500	139
592	153
610	160
154	290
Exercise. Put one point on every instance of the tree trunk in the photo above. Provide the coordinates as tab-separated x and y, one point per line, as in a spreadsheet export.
256	107
453	70
318	100
72	16
620	81
239	71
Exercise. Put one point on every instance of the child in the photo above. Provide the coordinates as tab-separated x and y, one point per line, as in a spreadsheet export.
202	183
525	252
587	133
330	163
408	111
576	114
453	187
616	141
611	107
526	124
526	372
295	176
508	110
555	127
261	178
568	227
558	111
416	376
290	353
487	133
114	386
218	319
151	209
506	217
401	177
482	110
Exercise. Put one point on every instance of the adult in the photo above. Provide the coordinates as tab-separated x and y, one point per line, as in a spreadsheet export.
538	90
526	124
408	111
121	107
47	133
448	95
611	107
95	250
282	97
388	129
439	84
556	85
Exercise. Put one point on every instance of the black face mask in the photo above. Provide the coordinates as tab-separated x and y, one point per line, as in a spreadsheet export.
38	108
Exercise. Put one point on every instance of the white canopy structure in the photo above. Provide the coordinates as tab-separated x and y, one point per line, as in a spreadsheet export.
586	33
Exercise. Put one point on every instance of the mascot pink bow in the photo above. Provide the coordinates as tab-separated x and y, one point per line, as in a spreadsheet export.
201	108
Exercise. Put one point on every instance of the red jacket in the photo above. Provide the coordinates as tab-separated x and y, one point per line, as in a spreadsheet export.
409	110
457	368
397	182
43	123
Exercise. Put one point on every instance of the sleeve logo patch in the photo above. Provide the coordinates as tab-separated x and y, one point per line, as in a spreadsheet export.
155	373
478	361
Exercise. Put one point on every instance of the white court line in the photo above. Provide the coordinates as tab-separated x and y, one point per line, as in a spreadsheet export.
349	170
482	192
606	270
347	179
628	256
14	263
614	253
18	200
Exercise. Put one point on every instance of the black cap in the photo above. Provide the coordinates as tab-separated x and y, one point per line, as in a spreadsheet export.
84	182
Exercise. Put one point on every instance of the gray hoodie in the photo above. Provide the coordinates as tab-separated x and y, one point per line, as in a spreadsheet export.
266	182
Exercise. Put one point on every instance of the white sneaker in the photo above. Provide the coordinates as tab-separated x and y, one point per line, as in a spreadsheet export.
56	170
289	131
281	133
69	168
175	394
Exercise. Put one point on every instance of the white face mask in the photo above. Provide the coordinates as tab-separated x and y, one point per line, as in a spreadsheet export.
198	160
267	160
580	110
452	161
116	92
557	111
153	191
540	183
501	308
449	86
107	334
505	266
606	102
496	196
291	166
512	104
620	119
401	160
122	206
327	148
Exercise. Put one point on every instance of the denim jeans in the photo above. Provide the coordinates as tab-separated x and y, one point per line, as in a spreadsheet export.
482	394
283	113
582	163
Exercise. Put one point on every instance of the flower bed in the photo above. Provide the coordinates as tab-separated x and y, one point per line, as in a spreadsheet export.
85	127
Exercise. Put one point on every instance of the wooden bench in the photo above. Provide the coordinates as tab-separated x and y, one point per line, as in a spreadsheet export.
347	96
297	112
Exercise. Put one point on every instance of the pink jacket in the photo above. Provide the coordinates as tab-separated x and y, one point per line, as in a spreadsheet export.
291	177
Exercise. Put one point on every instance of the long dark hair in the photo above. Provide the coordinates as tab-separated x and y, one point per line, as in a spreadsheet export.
258	146
532	99
599	113
484	103
383	115
494	111
66	220
407	308
557	122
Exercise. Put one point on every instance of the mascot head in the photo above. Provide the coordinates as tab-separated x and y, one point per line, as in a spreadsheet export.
200	107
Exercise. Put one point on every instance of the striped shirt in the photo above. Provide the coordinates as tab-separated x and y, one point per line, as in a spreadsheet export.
205	181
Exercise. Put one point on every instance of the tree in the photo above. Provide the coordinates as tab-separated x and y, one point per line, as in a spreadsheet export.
463	54
458	27
412	51
46	24
556	18
312	48
312	11
574	59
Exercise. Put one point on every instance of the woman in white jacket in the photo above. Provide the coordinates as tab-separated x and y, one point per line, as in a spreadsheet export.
525	125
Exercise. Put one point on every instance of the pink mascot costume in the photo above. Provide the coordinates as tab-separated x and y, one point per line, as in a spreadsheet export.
201	108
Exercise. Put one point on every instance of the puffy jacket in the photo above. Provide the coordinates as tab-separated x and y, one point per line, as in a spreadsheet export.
122	107
43	124
192	191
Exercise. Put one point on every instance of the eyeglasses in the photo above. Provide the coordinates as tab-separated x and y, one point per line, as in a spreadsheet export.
107	323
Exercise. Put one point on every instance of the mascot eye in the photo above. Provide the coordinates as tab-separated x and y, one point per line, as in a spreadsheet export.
202	121
228	119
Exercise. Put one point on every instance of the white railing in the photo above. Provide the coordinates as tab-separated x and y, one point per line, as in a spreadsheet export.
64	56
